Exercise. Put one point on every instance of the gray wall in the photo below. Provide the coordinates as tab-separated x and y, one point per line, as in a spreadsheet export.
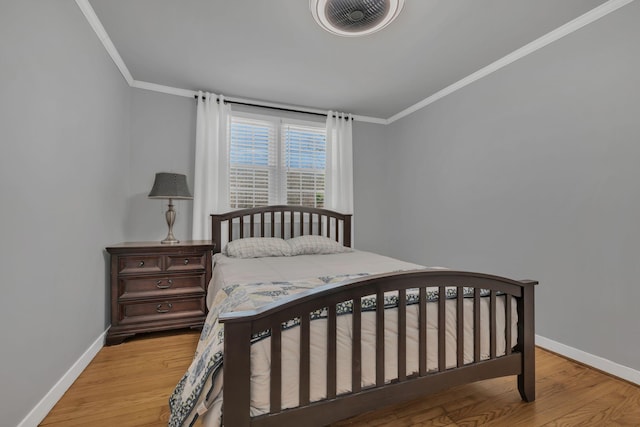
370	191
64	126
163	134
533	172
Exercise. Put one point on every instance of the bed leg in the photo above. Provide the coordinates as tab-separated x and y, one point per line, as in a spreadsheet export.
527	386
526	343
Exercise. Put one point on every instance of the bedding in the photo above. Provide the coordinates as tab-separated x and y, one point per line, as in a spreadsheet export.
246	284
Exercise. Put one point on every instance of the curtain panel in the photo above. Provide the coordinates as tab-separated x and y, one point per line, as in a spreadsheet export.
339	173
211	180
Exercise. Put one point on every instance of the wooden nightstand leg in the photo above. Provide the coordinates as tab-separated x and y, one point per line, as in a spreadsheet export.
117	339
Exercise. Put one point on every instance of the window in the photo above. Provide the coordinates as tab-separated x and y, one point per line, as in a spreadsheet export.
276	161
252	167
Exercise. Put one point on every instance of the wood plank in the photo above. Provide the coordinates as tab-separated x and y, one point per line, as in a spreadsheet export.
291	224
282	225
507	323
276	368
305	359
422	328
476	325
380	338
460	326
356	347
402	334
442	328
332	359
492	325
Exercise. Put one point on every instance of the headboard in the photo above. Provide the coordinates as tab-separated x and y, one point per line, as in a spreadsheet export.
280	221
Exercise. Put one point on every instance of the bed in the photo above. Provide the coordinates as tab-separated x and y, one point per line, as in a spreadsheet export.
300	339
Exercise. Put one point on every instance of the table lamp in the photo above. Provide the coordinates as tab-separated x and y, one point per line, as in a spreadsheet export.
170	186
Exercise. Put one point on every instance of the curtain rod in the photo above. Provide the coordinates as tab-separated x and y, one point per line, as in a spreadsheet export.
274	108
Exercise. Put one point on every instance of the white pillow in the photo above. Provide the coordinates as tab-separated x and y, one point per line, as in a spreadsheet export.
257	247
312	245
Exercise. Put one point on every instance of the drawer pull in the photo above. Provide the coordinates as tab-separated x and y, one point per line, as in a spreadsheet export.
186	261
159	308
159	284
141	264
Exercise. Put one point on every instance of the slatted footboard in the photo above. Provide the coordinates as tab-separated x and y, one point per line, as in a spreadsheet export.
288	221
518	358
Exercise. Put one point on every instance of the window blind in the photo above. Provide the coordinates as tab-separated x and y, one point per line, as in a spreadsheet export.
252	158
304	154
274	161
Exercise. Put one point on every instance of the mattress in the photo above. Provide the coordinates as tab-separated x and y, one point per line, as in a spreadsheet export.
268	274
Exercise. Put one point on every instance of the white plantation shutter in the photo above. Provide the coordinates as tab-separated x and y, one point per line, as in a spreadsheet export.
252	158
304	151
274	161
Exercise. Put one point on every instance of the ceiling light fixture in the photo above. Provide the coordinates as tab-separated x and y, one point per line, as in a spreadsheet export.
351	18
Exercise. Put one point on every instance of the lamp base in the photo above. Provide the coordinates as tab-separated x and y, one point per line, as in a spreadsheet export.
170	215
168	241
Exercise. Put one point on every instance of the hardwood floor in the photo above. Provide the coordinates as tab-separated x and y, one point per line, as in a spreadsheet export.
129	385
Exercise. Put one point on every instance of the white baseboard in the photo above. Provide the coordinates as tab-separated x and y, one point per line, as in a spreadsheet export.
45	405
597	362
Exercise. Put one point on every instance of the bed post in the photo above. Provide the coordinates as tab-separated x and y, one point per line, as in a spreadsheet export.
526	342
216	231
346	231
236	374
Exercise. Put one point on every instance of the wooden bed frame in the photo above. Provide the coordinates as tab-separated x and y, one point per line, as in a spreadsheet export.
288	221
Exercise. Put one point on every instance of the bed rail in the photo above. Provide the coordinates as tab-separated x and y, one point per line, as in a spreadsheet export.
239	327
280	221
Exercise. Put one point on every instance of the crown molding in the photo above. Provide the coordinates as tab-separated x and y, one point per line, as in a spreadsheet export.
566	29
163	89
95	23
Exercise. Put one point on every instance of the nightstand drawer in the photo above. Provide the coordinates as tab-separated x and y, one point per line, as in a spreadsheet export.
186	262
159	310
157	286
139	264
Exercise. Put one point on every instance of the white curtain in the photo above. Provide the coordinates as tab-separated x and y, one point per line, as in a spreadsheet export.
339	173
211	182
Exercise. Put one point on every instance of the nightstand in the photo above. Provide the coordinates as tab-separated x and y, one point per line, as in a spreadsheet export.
156	287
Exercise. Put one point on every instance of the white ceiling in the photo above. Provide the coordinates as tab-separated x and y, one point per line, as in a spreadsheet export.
272	50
